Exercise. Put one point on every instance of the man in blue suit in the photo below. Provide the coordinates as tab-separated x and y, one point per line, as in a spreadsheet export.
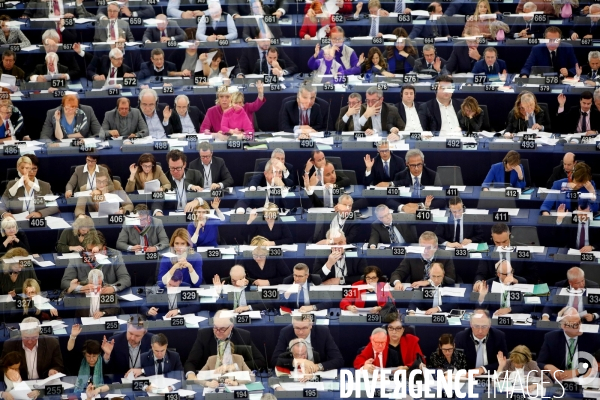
435	25
382	169
464	53
481	343
490	64
561	57
124	350
159	360
287	173
303	114
157	66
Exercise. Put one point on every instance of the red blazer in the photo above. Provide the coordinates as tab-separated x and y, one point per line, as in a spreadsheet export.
382	297
409	346
367	353
345	9
308	28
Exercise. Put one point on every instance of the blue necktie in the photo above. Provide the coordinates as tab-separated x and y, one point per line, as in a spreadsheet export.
417	188
301	297
386	169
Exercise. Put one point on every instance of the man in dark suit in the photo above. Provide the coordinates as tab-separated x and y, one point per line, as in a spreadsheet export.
108	29
124	121
272	177
590	72
288	169
561	348
319	338
408	109
430	112
417	270
157	115
109	68
437	280
213	169
318	166
344	219
188	117
381	232
158	360
490	64
576	284
302	277
556	54
271	64
430	63
524	27
562	171
481	343
378	116
587	27
505	277
435	26
206	346
338	269
124	350
50	67
487	268
41	9
578	235
294	358
579	119
455	233
350	114
464	54
46	349
157	66
163	31
127	10
279	8
182	180
382	168
302	114
251	56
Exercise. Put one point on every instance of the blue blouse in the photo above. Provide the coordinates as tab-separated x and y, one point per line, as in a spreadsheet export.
209	236
66	126
399	59
496	175
166	264
553	200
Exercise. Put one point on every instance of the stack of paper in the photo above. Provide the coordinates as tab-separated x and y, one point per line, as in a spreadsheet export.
100	321
57	223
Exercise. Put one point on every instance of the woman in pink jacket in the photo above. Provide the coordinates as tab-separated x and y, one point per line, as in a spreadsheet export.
237	99
212	121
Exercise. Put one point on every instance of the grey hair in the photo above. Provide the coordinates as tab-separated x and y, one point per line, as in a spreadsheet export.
530	5
148	91
377	331
334	233
214	5
428	47
218	315
567	312
345	196
575	272
205	146
268	165
52	54
115	53
9	223
277	151
374	90
50	34
31	320
381	207
595	53
413	153
594	5
355	96
84	221
308	88
182	96
95	273
297	342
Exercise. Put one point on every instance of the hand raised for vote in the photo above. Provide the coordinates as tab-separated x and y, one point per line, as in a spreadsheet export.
107	346
167	113
369	162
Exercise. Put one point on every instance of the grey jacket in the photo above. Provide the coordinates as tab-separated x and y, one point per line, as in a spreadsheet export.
86	121
101	34
135	124
13	204
157	236
80	179
114	273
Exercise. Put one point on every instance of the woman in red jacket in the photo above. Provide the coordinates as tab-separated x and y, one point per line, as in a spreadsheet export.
312	22
359	298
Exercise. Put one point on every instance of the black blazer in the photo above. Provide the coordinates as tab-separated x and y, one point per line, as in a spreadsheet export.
586	72
420	67
558	173
251	29
249	56
286	360
445	232
258	68
413	269
534	28
48	355
192	177
448	302
495	342
527	269
313	279
171	362
477	124
280	234
354	265
206	346
351	229
566	122
389	118
195	115
583	27
459	60
174	125
402	111
380	234
321	341
289	181
554	348
42	69
342	126
553	308
153	34
515	125
569	235
431	118
147	70
428	178
377	174
289	117
102	67
119	358
218	170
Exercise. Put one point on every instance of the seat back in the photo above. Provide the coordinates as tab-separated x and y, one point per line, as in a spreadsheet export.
526	172
11	173
486	118
351	174
450	175
525	235
258	162
591	270
336	161
247	177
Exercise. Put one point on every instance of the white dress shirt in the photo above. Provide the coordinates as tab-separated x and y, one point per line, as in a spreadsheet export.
413	124
449	118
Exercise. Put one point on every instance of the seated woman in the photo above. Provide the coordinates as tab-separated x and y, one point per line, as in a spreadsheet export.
70	120
90	370
401	57
373	277
204	231
445	357
97	197
222	364
12	237
214	115
325	66
527	114
12	33
235	122
40	306
520	362
146	170
186	60
581	182
471	116
186	260
375	64
317	23
15	274
70	239
11	367
25	194
509	172
405	344
276	233
216	68
237	99
476	21
265	270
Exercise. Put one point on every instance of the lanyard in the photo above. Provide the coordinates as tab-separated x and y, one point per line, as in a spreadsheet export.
91	180
133	362
208	177
571	355
28	197
180	194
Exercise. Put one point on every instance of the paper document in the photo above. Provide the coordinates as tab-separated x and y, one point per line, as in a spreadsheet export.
152	186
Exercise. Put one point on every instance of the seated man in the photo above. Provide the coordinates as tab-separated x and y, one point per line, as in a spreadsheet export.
98	196
481	343
490	65
441	113
149	236
302	115
435	26
270	178
95	284
8	66
295	359
163	31
213	168
127	9
51	69
319	341
300	300
253	27
288	169
418	270
582	182
237	278
349	117
437	280
275	59
430	63
415	176
563	170
487	268
558	55
342	220
318	164
118	350
578	236
377	354
524	27
157	66
107	28
216	29
506	278
587	28
157	115
464	53
383	167
408	109
576	284
590	72
387	232
455	233
378	117
338	269
173	308
124	121
110	68
182	180
206	345
187	116
158	361
11	120
116	277
173	9
579	119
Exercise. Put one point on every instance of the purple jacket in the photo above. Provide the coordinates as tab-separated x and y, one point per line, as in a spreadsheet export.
212	121
236	118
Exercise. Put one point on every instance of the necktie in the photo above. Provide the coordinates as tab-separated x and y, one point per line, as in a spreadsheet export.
530	121
56	8
301	297
490	69
264	67
164	33
503	301
398	7
319	178
553	61
457	232
594	74
570	176
417	188
112	30
436	297
571	353
374	25
305	117
429	66
113	72
479	359
160	366
584	123
6	129
386	168
427	268
328	196
576	302
582	236
393	237
58	31
236	299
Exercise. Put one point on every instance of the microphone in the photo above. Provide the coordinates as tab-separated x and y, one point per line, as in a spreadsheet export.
236	250
87	82
300	195
203	106
239	71
339	132
266	358
326	133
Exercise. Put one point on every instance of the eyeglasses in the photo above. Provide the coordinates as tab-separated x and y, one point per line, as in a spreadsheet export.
383	150
205	157
372	101
299	276
91	160
573	326
221	330
371	278
301	328
415	166
391	329
447	350
175	169
481	327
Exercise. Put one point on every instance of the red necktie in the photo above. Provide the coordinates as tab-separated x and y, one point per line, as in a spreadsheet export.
112	30
576	303
58	31
113	72
304	117
164	33
56	8
570	176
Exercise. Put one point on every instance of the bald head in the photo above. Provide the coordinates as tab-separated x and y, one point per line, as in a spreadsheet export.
568	162
237	272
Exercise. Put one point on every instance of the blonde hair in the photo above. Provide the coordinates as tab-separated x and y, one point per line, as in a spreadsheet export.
237	97
83	221
258	241
30	283
520	355
222	91
8	223
23	159
260	250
